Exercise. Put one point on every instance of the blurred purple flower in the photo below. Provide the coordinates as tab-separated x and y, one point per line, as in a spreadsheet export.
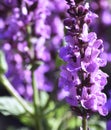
108	125
102	8
31	31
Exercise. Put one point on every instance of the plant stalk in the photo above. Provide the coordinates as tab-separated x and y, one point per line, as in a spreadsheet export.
84	122
36	103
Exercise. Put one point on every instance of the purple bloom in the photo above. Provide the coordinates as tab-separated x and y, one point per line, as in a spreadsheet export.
94	101
102	8
42	81
82	54
106	18
30	2
108	125
31	31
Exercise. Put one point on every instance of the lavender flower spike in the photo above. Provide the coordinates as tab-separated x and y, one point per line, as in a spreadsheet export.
81	76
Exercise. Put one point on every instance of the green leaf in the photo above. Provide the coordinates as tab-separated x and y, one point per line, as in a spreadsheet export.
3	63
27	120
10	106
43	98
59	61
95	123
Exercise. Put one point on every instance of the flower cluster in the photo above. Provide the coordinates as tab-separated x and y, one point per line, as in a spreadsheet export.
30	37
102	8
80	76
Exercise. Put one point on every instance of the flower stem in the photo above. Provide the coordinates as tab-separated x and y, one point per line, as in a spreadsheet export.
36	98
84	123
36	103
14	93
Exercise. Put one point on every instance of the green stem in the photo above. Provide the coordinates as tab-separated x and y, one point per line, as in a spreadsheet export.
36	98
36	102
13	92
58	105
47	103
84	123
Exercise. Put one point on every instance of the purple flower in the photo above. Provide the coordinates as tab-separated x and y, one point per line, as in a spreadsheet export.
94	101
81	76
102	8
30	2
106	18
30	37
42	81
108	125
